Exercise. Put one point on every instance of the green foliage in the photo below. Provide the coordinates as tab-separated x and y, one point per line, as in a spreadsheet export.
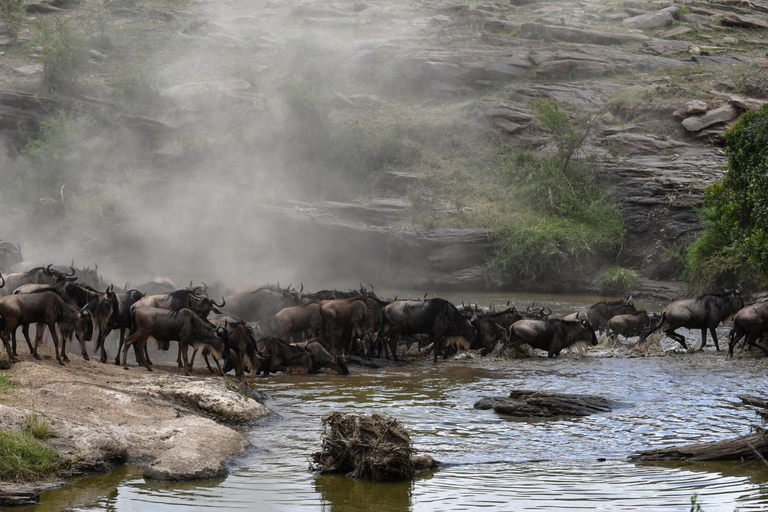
12	12
38	426
24	458
734	247
695	505
65	55
617	280
6	384
138	90
569	227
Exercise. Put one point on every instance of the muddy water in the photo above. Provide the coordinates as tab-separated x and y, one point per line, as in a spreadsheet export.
490	462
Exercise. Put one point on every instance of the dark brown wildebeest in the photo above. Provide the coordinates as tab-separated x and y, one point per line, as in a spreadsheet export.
243	347
704	312
321	358
436	317
552	335
599	314
46	307
350	316
183	326
120	319
261	305
298	319
632	325
278	356
752	322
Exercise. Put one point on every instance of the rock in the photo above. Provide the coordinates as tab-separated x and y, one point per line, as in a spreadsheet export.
42	8
192	93
745	103
29	70
222	404
658	19
674	32
696	18
500	26
576	35
662	47
146	127
498	109
748	447
542	404
718	115
507	127
744	21
96	55
692	108
730	40
570	67
5	40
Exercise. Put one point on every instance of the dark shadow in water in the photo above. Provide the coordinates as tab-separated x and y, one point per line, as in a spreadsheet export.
342	494
101	491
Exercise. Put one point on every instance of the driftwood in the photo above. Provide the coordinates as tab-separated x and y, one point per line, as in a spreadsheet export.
751	446
541	404
372	446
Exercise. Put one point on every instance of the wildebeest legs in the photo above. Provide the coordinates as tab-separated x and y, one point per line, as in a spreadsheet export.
7	346
33	351
677	337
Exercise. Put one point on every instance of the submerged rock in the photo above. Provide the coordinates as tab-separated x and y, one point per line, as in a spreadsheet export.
542	404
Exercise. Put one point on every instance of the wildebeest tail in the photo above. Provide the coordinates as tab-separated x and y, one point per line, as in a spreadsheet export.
133	323
662	319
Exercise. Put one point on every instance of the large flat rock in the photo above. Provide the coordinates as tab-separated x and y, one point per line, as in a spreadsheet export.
543	404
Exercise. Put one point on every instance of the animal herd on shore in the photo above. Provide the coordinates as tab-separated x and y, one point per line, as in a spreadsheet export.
269	328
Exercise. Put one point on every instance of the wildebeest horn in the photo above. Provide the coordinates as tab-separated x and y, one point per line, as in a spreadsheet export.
95	267
302	288
47	270
395	299
737	290
205	286
362	287
490	307
194	291
222	303
73	272
462	305
425	296
190	283
289	287
529	308
110	288
546	314
1	277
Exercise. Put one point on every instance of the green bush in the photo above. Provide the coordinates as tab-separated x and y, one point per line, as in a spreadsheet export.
24	458
38	426
618	280
5	383
566	226
12	12
65	55
734	247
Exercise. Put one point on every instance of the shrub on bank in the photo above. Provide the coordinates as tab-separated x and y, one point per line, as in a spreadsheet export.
734	246
24	458
65	55
12	13
618	280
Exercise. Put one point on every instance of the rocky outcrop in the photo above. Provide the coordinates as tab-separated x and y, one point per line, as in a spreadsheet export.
658	19
102	416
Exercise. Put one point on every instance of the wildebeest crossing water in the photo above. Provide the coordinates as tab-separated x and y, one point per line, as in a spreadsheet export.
490	461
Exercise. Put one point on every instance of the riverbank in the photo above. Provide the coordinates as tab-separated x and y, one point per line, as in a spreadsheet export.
176	427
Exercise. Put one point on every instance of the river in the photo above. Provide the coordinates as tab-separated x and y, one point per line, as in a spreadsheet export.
490	462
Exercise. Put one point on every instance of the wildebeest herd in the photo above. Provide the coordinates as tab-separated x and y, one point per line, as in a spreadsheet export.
269	328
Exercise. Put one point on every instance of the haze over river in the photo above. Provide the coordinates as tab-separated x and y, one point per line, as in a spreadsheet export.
489	462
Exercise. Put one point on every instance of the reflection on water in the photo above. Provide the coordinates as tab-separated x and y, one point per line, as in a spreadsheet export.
491	462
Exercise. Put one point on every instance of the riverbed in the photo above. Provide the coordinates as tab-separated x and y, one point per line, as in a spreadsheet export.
490	462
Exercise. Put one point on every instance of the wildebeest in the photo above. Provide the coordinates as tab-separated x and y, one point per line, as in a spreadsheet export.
752	322
350	316
636	324
278	356
46	307
243	347
436	317
261	305
321	358
704	312
183	326
294	319
120	319
599	314
552	335
37	275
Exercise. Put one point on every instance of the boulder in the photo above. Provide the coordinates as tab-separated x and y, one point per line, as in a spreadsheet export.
658	19
745	103
744	21
663	47
718	115
570	67
42	8
692	108
674	32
